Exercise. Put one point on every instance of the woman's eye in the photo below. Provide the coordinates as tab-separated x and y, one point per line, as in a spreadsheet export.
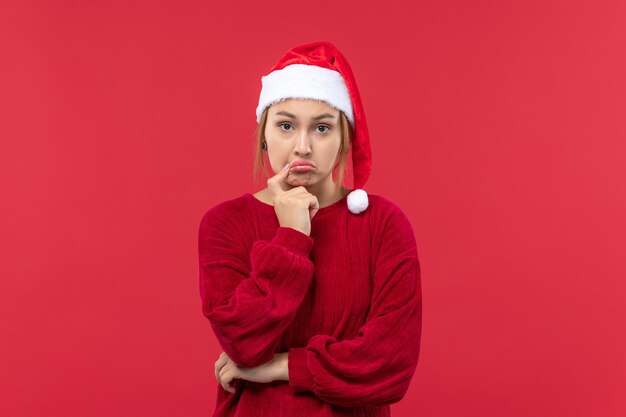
284	124
325	127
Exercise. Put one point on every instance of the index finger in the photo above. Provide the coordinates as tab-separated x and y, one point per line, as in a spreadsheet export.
277	183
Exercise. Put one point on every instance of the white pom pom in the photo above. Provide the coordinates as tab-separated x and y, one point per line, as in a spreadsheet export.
357	201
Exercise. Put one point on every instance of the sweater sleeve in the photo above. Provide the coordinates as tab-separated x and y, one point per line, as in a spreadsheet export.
376	367
251	296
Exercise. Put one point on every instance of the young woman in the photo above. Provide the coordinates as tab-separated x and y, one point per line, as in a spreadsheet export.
313	290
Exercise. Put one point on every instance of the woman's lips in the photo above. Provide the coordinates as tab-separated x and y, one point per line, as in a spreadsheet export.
302	168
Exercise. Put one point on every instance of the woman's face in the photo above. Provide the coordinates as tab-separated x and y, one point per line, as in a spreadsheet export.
308	130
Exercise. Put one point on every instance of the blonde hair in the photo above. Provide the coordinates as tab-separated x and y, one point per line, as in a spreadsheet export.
346	135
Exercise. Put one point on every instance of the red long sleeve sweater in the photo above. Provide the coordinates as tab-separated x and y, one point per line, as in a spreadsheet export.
345	302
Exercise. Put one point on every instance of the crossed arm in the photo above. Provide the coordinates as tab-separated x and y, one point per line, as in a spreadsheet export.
240	299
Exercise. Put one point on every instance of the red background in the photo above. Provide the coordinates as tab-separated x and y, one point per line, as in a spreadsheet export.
497	126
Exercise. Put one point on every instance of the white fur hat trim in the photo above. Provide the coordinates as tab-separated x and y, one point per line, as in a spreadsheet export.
307	82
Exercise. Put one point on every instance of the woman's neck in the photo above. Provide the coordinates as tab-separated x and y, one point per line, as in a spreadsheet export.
325	200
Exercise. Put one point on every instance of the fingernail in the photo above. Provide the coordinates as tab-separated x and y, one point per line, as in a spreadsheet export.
285	167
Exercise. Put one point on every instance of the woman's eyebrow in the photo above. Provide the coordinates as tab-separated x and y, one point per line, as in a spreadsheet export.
321	116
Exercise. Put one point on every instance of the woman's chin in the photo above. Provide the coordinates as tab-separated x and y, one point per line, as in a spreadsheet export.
300	180
299	183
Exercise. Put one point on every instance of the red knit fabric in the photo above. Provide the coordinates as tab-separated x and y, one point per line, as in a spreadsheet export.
345	302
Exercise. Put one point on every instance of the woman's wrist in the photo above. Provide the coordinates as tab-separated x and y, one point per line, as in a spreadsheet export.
282	366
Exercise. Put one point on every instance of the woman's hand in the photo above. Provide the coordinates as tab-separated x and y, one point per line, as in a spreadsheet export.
294	206
226	371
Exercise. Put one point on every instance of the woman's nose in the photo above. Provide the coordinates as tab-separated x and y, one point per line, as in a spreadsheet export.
303	144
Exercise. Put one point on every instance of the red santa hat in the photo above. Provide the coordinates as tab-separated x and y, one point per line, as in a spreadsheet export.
319	71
